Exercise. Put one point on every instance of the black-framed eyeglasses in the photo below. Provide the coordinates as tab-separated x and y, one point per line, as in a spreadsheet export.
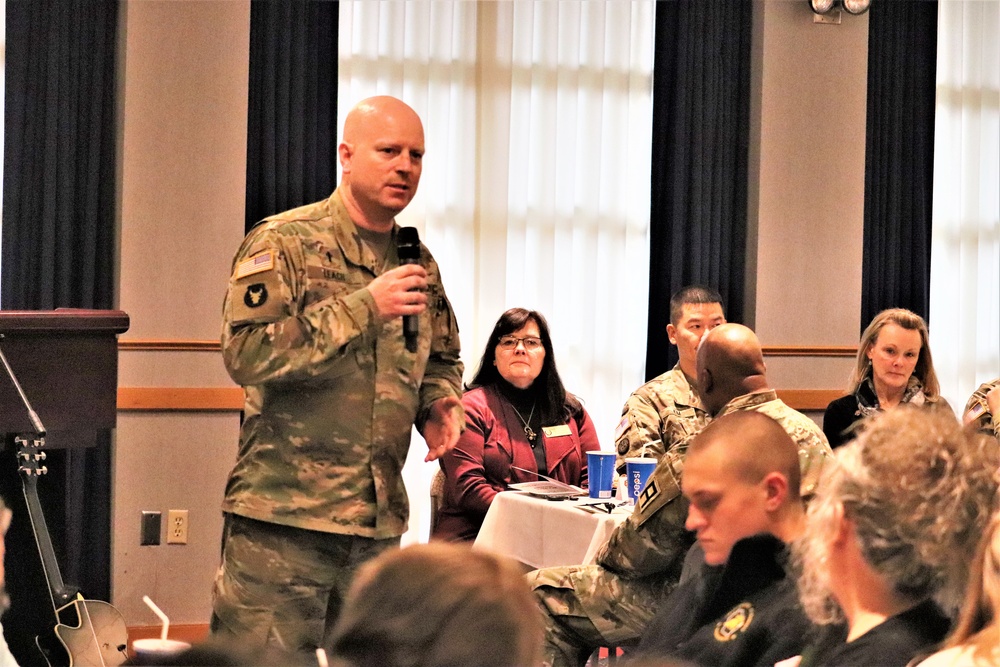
530	343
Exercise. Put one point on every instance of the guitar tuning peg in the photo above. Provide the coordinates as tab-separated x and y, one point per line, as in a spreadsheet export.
40	456
43	470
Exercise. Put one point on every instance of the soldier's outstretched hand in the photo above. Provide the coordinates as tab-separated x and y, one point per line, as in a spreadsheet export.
443	426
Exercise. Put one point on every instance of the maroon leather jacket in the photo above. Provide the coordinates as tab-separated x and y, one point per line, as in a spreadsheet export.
480	465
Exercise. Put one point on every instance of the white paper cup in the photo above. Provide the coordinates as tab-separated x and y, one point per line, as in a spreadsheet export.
158	649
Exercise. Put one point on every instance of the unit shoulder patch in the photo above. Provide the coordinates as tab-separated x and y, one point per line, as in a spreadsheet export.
255	296
255	291
734	623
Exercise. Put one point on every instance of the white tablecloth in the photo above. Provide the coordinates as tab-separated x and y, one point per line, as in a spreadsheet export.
544	533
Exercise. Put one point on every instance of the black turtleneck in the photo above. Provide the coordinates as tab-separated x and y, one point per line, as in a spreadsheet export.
527	404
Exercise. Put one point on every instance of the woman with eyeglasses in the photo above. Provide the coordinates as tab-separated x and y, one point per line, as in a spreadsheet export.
521	423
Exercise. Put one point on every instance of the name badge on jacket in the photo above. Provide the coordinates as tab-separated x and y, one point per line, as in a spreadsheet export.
556	431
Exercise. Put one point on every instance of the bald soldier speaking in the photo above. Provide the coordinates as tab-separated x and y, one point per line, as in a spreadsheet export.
313	332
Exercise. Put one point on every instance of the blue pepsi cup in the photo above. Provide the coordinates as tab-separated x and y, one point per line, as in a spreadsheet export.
637	471
601	474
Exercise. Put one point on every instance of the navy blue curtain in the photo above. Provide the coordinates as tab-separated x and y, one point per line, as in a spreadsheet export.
292	123
899	157
701	112
59	251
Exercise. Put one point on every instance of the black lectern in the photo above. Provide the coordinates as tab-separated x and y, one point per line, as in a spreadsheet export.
66	361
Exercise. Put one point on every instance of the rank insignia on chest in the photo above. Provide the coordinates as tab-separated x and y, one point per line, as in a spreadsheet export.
255	296
648	494
736	621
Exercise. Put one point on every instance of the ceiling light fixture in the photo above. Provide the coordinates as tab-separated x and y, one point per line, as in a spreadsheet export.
821	6
850	6
856	6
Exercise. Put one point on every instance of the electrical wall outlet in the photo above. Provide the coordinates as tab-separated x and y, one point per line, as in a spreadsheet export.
177	527
149	533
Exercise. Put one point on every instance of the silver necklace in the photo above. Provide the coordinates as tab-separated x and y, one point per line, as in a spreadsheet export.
528	432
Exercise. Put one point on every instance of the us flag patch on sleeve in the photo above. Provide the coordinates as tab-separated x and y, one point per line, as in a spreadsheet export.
622	425
259	263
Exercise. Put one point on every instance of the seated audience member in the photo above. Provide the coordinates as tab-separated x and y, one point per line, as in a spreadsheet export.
6	659
741	608
521	424
975	641
890	535
893	366
667	409
983	408
611	602
438	604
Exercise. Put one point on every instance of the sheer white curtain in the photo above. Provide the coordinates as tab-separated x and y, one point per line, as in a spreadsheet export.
965	246
535	190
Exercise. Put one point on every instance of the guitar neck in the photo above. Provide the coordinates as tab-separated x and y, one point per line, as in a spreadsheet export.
30	458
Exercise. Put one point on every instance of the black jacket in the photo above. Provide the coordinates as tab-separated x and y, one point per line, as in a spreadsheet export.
744	613
892	643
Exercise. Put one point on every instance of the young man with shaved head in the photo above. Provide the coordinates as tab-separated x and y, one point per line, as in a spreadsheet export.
612	602
737	606
313	332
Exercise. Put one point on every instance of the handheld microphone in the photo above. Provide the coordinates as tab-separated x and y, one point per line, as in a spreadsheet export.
408	249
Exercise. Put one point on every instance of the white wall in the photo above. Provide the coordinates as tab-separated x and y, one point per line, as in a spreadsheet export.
184	105
807	201
183	168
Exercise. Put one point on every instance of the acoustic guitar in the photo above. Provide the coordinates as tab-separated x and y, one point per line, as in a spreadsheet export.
88	633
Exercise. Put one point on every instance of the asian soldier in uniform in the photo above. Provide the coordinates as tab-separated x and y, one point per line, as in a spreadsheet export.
667	410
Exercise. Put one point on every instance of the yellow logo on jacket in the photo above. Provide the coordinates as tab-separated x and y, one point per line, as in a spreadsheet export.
736	621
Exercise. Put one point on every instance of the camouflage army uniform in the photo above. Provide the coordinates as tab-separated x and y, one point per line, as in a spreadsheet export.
612	602
331	397
977	410
664	411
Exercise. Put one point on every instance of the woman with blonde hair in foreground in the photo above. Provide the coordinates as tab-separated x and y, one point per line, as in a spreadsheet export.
976	640
437	605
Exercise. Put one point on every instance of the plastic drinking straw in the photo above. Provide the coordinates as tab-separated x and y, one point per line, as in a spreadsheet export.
158	612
